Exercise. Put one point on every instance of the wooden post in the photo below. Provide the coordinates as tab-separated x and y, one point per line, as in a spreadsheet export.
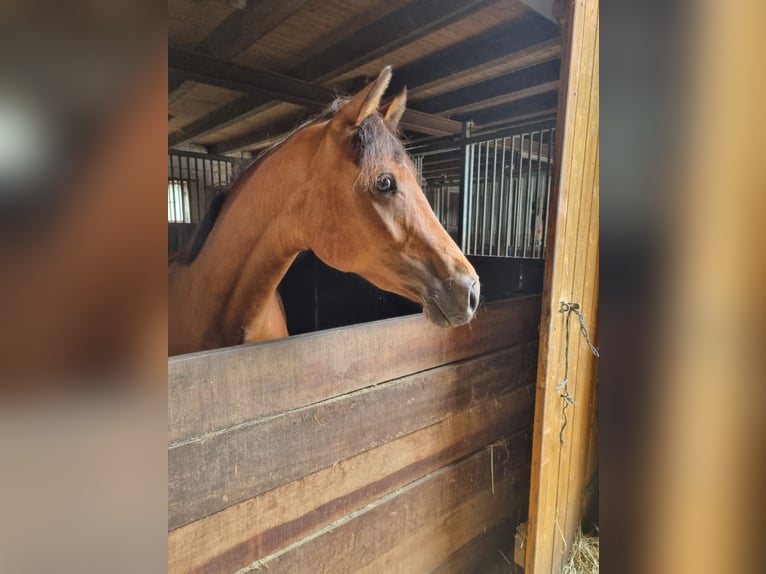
560	471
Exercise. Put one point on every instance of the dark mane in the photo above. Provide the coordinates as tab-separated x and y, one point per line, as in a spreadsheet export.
192	248
373	142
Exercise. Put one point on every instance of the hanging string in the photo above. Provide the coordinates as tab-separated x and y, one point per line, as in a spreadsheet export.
563	387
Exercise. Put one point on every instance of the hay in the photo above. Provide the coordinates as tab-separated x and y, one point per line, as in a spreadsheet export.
583	559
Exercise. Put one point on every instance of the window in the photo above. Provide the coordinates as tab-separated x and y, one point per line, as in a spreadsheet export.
178	201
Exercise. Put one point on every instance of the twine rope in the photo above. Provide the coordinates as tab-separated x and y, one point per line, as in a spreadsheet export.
563	387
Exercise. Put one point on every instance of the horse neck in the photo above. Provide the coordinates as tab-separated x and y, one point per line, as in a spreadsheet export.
246	255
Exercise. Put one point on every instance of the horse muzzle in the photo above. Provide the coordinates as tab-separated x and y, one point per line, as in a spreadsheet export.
453	302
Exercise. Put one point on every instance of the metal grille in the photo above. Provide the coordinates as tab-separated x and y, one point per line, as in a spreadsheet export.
418	161
444	200
507	190
193	178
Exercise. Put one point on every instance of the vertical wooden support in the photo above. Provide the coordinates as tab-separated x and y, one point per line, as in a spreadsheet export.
560	471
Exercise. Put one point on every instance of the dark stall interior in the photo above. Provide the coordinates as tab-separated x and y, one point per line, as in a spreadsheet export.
318	297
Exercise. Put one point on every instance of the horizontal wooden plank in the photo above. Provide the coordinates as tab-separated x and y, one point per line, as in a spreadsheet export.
456	499
207	475
429	546
241	534
214	390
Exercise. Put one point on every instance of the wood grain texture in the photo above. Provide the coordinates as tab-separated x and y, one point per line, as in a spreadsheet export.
559	471
392	31
488	553
225	468
453	501
249	531
251	382
517	42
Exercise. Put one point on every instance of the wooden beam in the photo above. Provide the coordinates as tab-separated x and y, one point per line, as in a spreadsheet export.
507	88
401	27
255	381
243	28
571	274
261	139
531	40
507	112
240	30
212	71
429	124
412	120
177	86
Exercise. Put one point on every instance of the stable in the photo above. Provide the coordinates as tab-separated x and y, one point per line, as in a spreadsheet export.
371	440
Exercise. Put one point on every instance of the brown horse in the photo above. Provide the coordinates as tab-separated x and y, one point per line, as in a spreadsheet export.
342	186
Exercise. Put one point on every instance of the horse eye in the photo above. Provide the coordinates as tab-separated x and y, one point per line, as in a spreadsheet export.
385	183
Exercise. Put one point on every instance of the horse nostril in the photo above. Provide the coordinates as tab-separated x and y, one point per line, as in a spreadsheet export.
473	297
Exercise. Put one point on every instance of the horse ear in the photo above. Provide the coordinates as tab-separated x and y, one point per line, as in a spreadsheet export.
395	109
366	102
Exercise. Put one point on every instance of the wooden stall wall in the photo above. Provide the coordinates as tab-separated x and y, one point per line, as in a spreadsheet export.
393	446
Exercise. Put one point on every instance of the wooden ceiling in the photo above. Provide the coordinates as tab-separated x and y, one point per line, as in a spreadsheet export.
242	73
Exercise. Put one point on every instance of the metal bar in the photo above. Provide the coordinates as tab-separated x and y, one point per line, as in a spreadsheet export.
467	197
218	169
170	187
445	207
175	162
465	185
171	201
501	202
188	187
486	201
538	213
519	199
494	211
548	187
205	164
528	212
478	200
200	187
509	212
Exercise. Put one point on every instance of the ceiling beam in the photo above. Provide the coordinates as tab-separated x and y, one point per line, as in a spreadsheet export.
243	28
530	40
215	72
428	124
403	26
262	138
507	88
240	30
512	110
176	86
420	122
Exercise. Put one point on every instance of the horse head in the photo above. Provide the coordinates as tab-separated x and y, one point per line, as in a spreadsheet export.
367	214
